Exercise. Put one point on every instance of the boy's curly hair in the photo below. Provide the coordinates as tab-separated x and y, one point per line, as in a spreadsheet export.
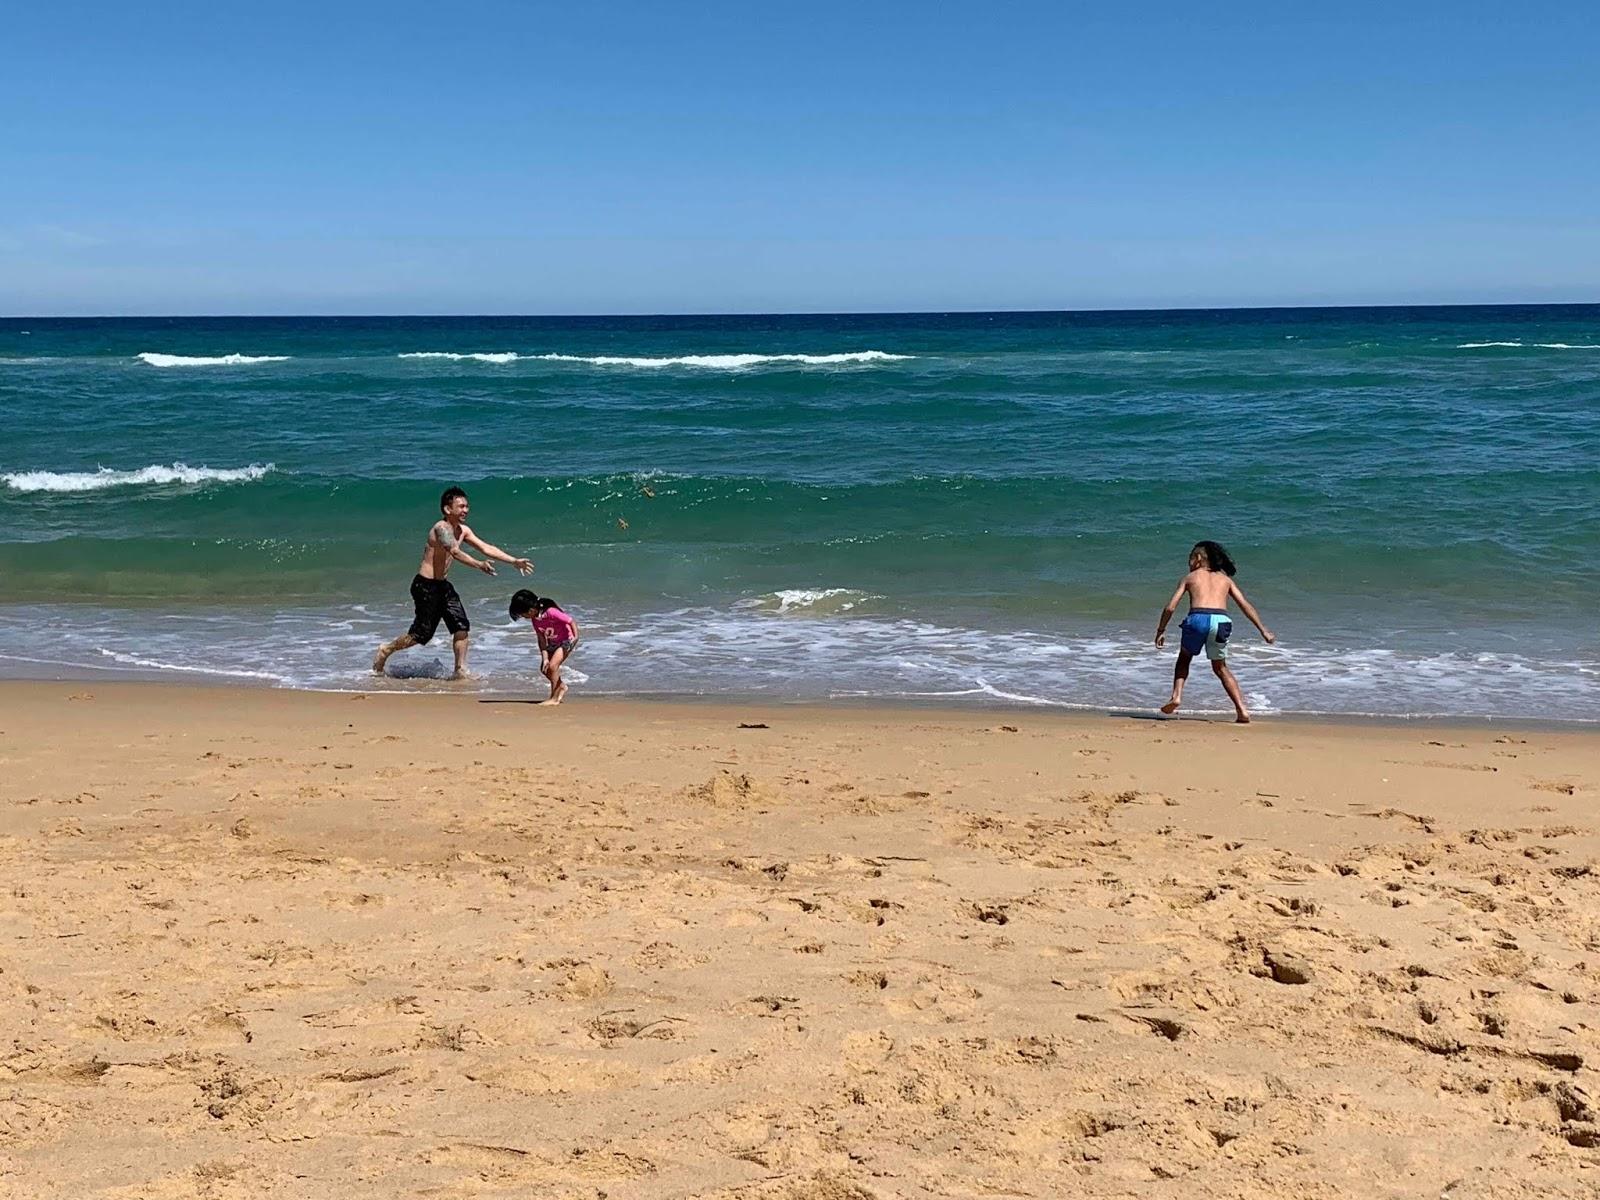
1217	558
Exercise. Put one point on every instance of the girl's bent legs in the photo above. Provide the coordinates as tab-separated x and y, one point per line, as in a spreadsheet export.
1180	674
1231	685
552	672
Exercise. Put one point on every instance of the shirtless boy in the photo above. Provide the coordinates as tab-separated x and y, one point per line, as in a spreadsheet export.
434	595
1208	627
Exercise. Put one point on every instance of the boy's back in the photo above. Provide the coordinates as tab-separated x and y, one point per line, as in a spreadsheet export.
1207	588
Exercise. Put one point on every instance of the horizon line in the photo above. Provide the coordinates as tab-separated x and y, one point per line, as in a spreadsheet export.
909	312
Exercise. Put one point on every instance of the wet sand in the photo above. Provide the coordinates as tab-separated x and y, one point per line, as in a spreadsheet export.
270	944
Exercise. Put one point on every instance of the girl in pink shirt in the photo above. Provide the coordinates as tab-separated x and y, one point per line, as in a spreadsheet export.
558	637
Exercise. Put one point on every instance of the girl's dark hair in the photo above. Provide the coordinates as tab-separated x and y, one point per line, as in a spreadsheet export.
523	602
1217	558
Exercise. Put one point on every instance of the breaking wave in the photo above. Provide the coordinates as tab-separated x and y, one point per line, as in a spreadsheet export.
731	362
497	358
1529	345
707	362
225	360
808	601
104	477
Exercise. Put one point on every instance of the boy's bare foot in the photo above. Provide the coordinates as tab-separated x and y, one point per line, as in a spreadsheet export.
380	660
1170	707
461	676
1242	719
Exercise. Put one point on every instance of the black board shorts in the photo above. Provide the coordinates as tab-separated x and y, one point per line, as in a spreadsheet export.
436	601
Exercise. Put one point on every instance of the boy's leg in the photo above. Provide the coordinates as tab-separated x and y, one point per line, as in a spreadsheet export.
425	599
1180	674
1231	686
460	642
404	641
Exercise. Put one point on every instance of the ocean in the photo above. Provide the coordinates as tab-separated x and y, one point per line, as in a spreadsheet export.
966	509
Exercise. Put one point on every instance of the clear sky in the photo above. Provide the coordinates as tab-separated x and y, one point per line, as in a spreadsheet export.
356	157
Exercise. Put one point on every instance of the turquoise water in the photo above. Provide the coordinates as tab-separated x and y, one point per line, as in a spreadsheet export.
968	507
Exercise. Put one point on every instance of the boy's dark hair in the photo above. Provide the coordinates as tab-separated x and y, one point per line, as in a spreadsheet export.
1217	558
450	494
523	602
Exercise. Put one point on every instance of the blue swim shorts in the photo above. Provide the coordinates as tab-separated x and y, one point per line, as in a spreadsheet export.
1207	629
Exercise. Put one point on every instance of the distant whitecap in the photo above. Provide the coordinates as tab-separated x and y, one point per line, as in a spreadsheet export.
499	358
731	362
226	360
100	480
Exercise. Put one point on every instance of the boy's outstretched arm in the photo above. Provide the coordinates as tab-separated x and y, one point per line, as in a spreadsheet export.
523	565
1249	610
1166	613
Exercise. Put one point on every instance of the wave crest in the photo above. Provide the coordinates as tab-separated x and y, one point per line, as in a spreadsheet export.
499	358
708	362
1529	345
809	601
105	477
226	360
731	362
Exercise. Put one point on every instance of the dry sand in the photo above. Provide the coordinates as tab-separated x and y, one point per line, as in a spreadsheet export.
259	944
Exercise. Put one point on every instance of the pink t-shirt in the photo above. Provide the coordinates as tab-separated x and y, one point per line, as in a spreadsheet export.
556	626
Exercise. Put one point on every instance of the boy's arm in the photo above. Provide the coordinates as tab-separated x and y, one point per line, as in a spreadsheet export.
523	566
1166	613
447	539
1249	610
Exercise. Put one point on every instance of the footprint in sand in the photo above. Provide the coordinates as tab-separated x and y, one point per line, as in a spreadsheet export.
868	980
1560	786
490	1163
554	1076
939	997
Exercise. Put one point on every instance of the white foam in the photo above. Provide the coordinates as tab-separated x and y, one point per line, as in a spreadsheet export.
1530	345
753	650
99	480
814	601
225	360
988	689
498	358
156	665
730	362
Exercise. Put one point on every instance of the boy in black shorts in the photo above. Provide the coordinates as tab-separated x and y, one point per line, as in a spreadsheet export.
435	596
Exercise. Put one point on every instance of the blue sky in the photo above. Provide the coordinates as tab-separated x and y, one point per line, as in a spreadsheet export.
695	157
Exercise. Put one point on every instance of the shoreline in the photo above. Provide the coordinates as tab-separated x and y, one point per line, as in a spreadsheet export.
859	705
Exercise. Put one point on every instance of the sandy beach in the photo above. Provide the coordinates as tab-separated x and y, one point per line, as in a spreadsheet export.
274	944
